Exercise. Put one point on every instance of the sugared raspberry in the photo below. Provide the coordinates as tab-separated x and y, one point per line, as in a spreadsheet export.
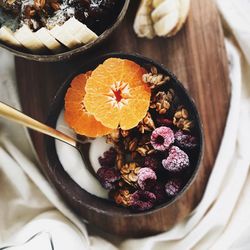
151	162
173	187
142	200
162	138
108	176
146	178
184	140
176	161
108	159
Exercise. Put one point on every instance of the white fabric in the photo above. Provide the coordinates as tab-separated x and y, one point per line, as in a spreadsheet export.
32	216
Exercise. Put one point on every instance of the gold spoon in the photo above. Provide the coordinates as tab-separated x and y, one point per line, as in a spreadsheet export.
14	115
18	117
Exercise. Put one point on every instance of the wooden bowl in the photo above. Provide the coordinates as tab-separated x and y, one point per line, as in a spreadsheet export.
103	213
69	54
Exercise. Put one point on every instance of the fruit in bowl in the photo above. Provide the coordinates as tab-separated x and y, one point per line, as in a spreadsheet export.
152	131
55	26
106	199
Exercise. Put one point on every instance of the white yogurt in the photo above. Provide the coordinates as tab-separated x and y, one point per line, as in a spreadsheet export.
73	164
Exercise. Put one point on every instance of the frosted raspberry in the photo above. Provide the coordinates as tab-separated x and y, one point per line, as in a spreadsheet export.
108	176
162	138
108	159
142	200
151	162
176	161
185	140
173	187
146	178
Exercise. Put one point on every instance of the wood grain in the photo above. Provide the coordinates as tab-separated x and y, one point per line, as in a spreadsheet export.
196	55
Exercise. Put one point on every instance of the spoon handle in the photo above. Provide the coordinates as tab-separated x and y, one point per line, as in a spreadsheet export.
18	117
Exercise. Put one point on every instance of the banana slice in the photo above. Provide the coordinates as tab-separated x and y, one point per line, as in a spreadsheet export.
163	9
161	17
184	10
28	39
65	37
7	36
48	40
167	23
156	3
143	25
80	31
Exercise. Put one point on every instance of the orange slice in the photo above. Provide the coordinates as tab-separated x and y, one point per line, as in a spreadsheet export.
116	94
76	115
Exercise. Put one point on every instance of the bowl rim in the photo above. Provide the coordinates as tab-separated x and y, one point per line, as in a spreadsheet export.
68	54
193	106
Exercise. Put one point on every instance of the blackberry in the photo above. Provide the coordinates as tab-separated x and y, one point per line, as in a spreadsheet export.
108	159
108	177
159	191
173	187
185	140
151	162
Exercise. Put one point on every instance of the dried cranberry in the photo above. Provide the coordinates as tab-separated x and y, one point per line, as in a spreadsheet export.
164	122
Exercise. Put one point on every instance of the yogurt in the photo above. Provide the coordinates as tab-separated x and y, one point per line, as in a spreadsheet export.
73	164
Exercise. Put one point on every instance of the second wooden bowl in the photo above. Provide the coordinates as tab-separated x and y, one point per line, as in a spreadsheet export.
71	53
103	213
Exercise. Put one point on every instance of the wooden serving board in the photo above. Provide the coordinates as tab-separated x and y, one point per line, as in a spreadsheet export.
196	55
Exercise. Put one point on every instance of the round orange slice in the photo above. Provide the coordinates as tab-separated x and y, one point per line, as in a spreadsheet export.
116	94
76	115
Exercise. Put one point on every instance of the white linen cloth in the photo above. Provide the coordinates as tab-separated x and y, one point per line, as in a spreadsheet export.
32	216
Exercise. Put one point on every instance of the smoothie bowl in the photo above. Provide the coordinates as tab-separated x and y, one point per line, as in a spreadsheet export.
54	30
141	145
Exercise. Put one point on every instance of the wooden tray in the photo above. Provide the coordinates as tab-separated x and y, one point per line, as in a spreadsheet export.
196	55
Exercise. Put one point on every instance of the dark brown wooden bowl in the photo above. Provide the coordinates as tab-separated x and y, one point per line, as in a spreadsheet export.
71	53
103	213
